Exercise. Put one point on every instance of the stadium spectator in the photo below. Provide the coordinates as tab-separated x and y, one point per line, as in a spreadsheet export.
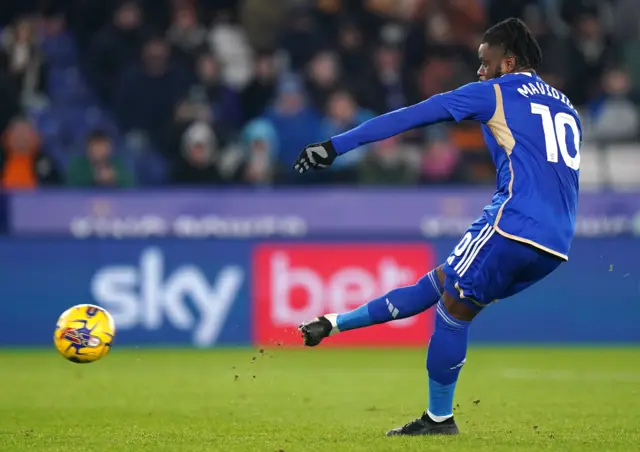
342	114
263	22
467	19
436	76
201	158
115	47
260	151
440	163
195	107
554	48
386	89
302	37
591	51
575	10
186	33
226	109
256	96
354	52
58	45
23	165
296	122
626	16
148	93
328	13
9	98
98	166
613	117
25	60
431	43
631	50
390	162
321	78
384	53
229	42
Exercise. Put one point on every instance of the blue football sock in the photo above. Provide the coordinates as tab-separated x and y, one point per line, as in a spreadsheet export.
447	355
397	304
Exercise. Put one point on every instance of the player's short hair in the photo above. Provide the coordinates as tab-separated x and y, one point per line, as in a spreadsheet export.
516	39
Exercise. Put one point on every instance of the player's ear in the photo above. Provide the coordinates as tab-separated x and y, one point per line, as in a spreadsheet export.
508	65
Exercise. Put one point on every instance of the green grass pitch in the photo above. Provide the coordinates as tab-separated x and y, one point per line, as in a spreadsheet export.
509	399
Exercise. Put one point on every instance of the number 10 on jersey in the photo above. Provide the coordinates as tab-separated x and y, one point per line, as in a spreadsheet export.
555	135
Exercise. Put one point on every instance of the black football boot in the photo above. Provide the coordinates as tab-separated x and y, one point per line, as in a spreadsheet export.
315	330
426	426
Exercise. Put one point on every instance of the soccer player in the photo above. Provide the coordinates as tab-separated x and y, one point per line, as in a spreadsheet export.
534	135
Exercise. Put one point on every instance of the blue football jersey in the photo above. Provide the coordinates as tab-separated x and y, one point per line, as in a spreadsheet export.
534	136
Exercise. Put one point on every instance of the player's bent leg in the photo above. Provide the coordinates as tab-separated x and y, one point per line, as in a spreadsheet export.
397	304
448	345
446	356
485	266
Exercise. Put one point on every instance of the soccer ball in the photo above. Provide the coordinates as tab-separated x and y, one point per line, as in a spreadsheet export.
84	333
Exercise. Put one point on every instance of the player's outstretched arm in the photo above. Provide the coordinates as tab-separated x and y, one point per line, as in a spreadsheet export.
322	155
393	123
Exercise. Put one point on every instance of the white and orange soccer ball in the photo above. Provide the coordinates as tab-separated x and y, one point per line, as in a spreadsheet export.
84	333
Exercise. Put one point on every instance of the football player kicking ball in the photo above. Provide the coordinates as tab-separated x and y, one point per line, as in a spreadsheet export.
534	134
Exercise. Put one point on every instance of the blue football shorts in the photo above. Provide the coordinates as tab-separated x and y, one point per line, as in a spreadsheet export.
485	266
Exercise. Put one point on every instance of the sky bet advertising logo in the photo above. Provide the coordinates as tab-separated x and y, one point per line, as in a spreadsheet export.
165	292
148	296
297	282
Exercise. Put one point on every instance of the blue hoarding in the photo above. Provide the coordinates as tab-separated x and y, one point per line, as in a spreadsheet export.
200	292
595	297
173	292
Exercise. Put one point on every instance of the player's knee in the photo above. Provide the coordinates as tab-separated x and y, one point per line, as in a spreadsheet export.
447	349
457	309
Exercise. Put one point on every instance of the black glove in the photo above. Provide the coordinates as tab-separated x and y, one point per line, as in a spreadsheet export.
315	156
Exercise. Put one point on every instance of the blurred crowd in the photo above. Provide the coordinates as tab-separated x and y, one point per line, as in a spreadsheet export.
100	93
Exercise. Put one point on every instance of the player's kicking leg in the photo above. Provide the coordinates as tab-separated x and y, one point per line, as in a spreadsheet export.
483	267
397	304
448	342
448	345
